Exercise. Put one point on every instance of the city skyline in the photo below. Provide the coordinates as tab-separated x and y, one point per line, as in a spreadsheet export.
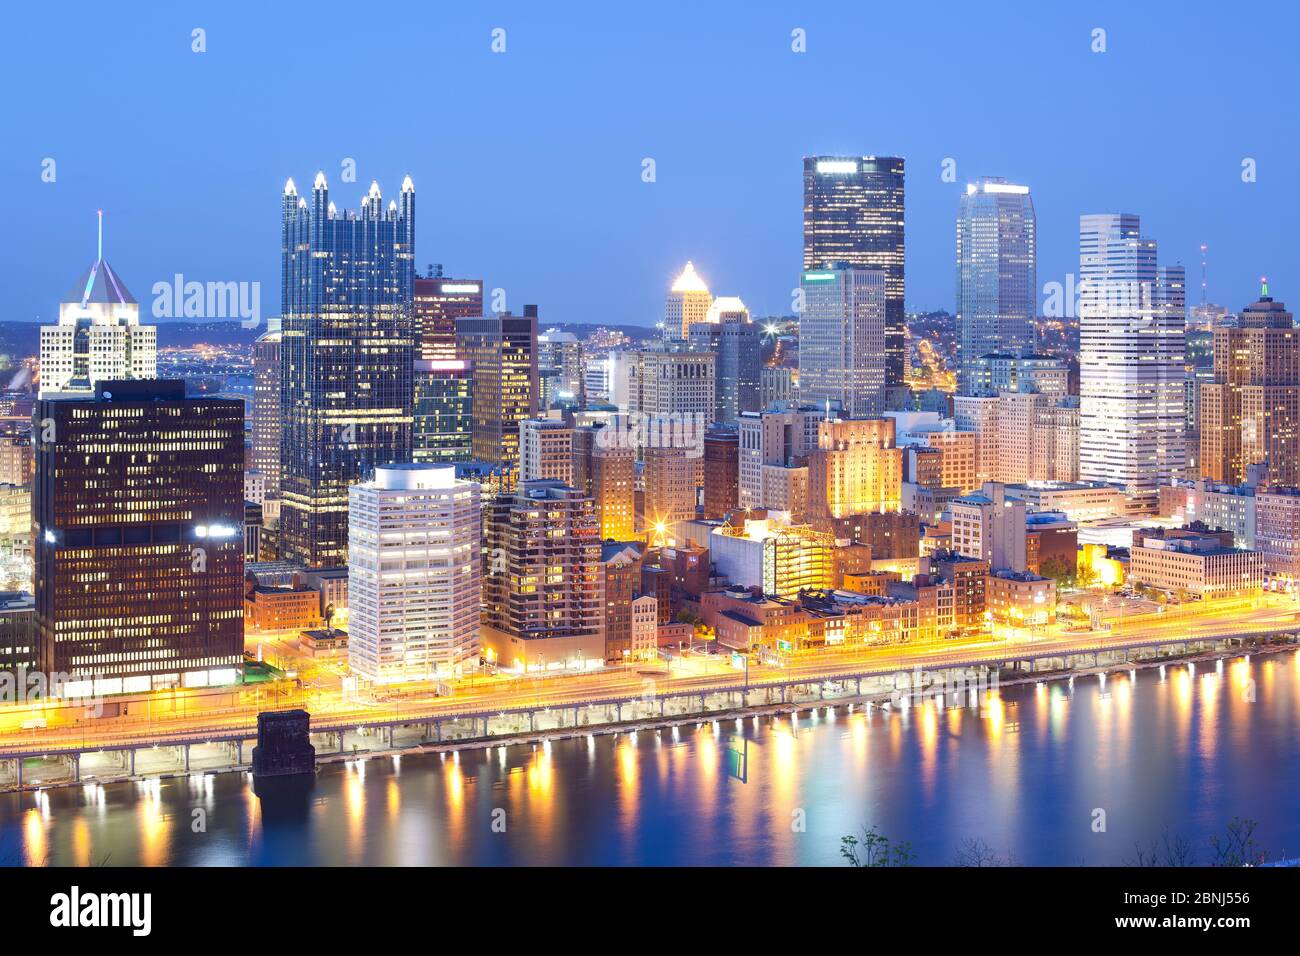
758	200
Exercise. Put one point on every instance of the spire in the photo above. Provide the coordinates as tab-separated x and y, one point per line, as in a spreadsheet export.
689	280
100	256
1263	287
407	185
374	190
392	205
289	188
320	181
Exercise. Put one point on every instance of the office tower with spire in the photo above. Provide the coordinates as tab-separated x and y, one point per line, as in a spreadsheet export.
347	355
138	521
996	273
842	340
99	336
687	303
853	215
1250	413
501	351
1131	361
413	574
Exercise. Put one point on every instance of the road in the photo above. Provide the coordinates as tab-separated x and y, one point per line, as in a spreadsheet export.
67	726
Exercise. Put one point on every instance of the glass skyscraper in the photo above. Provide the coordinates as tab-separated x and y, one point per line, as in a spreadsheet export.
347	348
1131	360
853	215
841	341
996	274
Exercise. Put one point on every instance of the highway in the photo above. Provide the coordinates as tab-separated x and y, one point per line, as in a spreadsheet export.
330	705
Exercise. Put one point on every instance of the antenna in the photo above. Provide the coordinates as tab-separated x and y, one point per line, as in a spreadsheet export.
101	233
1204	265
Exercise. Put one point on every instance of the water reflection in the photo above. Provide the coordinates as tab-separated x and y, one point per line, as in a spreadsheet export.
1018	769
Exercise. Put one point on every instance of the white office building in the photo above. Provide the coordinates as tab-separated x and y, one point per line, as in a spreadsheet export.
99	336
1131	361
414	582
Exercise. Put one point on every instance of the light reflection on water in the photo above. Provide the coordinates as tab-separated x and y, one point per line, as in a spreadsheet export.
1023	770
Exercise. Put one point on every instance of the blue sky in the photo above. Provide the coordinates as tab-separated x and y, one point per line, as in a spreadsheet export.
528	164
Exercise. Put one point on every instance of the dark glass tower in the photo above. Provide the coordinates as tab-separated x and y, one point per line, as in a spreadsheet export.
139	513
853	216
502	352
347	347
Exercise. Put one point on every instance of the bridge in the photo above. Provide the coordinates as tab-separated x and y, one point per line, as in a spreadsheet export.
110	755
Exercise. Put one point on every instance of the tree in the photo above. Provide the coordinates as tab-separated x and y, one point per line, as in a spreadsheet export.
974	852
1170	851
1059	570
1237	847
875	849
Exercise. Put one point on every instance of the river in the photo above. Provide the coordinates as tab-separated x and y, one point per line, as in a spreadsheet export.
1050	774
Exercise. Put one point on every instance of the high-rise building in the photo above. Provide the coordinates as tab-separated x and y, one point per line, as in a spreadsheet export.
780	438
996	273
855	469
347	354
546	450
138	515
670	489
266	418
997	372
853	214
99	336
562	364
611	464
673	383
1131	420
687	303
502	351
721	472
737	341
842	348
1250	413
543	592
437	303
442	420
413	574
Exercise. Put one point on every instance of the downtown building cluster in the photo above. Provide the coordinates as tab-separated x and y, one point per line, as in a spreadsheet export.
456	486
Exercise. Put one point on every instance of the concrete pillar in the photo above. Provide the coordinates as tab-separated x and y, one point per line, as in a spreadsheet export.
531	723
18	771
132	752
485	726
618	711
341	735
437	730
76	768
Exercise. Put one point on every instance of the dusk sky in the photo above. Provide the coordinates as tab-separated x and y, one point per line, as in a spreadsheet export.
528	164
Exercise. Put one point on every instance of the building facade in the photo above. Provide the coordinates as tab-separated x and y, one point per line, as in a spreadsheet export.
347	352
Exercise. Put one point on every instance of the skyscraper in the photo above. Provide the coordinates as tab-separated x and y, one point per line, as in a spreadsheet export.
737	341
99	335
139	511
856	468
347	350
443	415
1131	419
853	214
996	273
721	471
437	303
842	340
546	450
1250	413
687	303
413	574
502	352
266	418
